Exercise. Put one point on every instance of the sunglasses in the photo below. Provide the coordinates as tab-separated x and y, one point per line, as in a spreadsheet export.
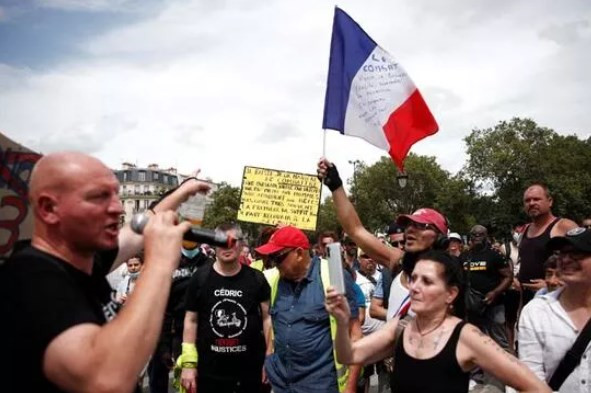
279	257
397	244
422	227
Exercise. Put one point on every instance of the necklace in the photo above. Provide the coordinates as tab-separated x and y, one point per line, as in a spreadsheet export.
422	335
429	331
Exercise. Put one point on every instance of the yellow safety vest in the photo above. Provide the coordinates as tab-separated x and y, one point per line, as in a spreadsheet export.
258	265
272	276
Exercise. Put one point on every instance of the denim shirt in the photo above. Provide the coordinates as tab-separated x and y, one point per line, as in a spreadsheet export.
303	359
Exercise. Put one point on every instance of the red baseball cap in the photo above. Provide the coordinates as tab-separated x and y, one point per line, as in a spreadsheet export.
286	237
425	216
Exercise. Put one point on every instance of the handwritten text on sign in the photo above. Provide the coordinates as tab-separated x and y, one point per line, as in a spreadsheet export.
270	197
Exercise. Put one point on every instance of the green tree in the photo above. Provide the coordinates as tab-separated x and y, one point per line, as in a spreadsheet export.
224	208
504	159
327	217
379	198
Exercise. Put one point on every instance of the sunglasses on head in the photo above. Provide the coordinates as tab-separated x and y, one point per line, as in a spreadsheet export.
280	256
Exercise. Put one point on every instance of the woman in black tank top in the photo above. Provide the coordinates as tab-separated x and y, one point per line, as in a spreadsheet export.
435	351
409	373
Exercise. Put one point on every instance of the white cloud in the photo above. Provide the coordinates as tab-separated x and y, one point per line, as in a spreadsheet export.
208	84
87	5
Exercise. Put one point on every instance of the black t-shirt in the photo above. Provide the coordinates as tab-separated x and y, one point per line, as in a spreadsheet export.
230	339
484	266
41	296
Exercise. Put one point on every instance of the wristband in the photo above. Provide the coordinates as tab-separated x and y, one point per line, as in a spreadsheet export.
333	180
189	354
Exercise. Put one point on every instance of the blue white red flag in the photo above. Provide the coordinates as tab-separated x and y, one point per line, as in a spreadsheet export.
370	96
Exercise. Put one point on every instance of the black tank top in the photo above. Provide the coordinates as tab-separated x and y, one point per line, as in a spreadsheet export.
533	254
439	374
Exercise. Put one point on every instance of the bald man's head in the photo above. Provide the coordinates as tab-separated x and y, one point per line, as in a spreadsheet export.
478	234
58	172
75	199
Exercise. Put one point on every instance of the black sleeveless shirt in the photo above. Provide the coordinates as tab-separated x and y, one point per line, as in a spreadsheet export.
439	374
533	254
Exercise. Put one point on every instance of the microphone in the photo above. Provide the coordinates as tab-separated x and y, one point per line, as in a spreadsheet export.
194	234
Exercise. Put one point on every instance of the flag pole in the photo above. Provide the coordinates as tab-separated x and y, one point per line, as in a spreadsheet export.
324	143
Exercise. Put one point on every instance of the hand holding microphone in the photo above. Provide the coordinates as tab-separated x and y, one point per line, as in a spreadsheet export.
194	234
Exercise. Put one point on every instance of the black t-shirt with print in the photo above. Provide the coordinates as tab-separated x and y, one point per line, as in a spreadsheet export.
484	266
230	339
41	296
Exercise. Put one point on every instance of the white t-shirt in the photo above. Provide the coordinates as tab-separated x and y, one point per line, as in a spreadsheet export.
545	334
370	324
399	297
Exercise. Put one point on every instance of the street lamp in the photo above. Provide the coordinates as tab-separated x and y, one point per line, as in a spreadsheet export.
402	179
355	163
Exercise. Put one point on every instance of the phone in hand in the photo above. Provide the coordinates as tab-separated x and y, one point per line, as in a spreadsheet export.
335	267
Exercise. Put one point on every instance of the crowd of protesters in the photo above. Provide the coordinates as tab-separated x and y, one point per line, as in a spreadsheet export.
424	308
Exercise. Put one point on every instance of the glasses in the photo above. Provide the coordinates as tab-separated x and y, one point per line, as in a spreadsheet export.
279	257
422	227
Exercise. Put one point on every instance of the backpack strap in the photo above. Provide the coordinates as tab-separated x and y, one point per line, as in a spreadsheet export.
572	358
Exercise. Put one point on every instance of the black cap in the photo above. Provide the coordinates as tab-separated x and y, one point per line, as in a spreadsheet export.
579	238
394	228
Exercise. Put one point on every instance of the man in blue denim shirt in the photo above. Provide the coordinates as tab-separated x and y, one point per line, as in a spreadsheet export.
303	360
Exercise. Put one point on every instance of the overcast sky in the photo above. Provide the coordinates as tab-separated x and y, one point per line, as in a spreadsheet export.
223	84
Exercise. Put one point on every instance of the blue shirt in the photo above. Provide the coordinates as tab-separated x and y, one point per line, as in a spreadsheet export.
303	360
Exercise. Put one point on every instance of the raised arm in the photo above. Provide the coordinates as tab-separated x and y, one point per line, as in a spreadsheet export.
130	243
348	218
91	358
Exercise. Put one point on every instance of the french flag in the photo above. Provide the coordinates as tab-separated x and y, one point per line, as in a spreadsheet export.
370	96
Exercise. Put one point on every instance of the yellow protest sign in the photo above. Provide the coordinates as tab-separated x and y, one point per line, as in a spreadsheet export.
270	196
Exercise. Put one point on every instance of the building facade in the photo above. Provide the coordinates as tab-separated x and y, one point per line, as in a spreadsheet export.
139	187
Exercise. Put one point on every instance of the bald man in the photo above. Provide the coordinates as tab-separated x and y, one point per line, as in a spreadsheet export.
55	303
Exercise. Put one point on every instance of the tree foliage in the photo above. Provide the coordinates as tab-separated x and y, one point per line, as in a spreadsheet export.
502	161
224	209
505	159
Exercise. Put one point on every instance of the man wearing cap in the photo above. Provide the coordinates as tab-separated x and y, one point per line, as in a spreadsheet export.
550	324
303	360
455	244
425	229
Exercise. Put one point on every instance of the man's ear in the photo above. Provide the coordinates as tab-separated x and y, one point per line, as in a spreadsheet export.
47	209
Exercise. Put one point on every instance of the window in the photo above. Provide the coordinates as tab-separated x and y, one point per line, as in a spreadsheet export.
155	175
164	179
141	176
125	176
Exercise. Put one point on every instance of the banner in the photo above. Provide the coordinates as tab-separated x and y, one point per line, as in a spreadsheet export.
16	222
274	197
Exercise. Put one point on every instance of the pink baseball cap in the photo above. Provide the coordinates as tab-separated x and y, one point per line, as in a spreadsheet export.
286	237
425	216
